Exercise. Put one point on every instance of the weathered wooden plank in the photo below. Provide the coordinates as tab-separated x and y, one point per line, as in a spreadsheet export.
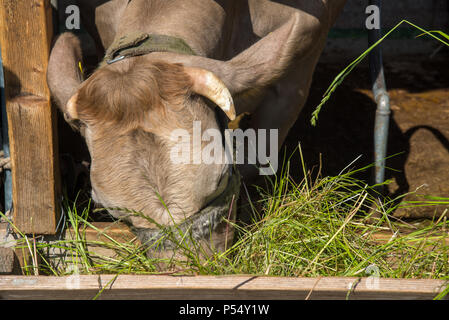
214	287
106	230
120	232
383	237
23	260
117	231
34	166
25	36
8	261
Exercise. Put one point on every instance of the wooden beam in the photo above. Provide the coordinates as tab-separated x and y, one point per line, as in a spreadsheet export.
25	36
117	231
36	197
214	287
120	232
9	263
23	260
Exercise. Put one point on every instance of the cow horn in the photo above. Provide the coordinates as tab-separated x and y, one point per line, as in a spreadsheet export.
207	84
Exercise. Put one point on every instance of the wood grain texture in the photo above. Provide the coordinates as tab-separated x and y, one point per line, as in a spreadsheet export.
34	166
25	35
214	287
117	231
7	261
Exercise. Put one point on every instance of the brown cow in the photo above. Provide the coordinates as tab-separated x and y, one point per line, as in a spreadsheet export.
254	56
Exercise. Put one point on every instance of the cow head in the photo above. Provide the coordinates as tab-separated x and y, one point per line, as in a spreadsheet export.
128	111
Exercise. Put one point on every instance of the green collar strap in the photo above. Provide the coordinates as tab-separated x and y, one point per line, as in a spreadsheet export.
139	43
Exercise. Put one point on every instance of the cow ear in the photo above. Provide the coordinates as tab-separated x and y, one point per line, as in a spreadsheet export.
64	74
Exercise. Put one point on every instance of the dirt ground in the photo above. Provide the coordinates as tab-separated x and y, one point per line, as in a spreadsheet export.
419	126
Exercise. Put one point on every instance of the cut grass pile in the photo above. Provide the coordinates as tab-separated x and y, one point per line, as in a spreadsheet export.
311	228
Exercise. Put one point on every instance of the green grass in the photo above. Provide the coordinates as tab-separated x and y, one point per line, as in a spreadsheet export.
316	227
321	228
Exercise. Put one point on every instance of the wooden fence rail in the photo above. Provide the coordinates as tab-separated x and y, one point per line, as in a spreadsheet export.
214	287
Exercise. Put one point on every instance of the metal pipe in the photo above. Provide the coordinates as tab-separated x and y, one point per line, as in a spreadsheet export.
383	103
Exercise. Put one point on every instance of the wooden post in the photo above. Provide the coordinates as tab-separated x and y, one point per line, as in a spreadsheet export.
25	37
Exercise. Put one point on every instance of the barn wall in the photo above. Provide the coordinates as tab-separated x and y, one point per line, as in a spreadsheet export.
348	38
